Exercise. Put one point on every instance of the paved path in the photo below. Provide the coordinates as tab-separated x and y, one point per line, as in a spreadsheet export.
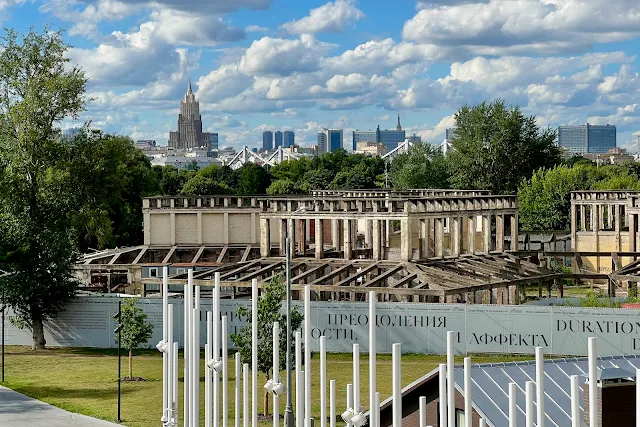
18	410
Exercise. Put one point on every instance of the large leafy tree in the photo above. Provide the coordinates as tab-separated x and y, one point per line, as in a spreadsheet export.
136	330
496	147
38	89
422	167
252	179
269	311
110	176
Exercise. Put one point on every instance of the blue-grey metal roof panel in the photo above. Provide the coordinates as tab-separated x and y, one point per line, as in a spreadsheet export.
490	386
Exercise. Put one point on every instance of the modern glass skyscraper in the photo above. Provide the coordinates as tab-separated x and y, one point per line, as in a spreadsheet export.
329	140
289	139
587	138
267	140
278	140
389	137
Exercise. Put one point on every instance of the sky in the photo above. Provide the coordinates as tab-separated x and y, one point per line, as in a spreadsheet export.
304	64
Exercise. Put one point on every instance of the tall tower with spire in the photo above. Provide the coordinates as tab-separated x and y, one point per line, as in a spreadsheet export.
398	127
189	134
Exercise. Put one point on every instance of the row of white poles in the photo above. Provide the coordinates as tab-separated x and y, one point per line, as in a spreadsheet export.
216	364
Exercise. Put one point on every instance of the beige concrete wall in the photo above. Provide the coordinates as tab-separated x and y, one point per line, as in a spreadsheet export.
160	229
240	230
186	229
213	231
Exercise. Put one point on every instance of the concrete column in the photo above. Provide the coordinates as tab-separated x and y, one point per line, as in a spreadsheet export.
348	243
471	238
368	235
456	236
486	233
632	233
377	247
425	247
303	225
574	226
610	216
292	237
335	234
265	238
615	218
601	213
172	225
439	237
199	227
583	218
595	214
319	239
282	238
514	232
387	233
500	233
225	231
593	223
406	249
147	229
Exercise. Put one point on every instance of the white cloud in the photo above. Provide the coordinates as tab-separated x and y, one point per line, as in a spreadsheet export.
188	28
517	26
224	82
256	29
333	17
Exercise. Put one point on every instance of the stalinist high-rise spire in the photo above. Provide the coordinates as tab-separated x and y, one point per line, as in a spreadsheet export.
190	134
398	127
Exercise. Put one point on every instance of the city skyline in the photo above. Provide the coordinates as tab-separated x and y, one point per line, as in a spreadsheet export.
278	65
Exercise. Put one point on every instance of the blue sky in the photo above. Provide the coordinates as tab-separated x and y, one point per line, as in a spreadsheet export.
299	65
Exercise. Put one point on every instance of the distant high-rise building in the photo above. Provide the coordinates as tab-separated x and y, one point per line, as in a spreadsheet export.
587	138
289	139
415	139
389	137
398	126
322	142
329	140
189	134
278	140
267	140
214	141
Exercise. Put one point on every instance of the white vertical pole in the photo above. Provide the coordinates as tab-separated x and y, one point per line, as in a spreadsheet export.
512	405
442	394
397	386
323	381
332	403
529	405
187	306
165	338
307	356
276	372
225	374
237	392
254	353
575	402
482	423
196	360
423	411
245	395
593	383
540	386
377	409
207	371
451	405
637	397
175	382
170	356
299	382
372	359
349	399
215	349
195	378
467	392
356	378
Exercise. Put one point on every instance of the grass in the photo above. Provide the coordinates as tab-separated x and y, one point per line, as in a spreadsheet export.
85	380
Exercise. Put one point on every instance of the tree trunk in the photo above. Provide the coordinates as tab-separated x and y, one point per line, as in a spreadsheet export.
130	363
37	330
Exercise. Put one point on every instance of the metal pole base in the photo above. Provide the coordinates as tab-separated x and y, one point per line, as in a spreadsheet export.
289	420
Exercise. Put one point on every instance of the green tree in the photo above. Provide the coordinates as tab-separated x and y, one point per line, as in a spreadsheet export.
269	311
136	329
252	179
201	185
109	176
496	147
282	187
422	167
171	179
38	89
317	179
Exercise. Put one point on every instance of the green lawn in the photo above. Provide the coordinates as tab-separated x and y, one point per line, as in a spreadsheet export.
85	380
